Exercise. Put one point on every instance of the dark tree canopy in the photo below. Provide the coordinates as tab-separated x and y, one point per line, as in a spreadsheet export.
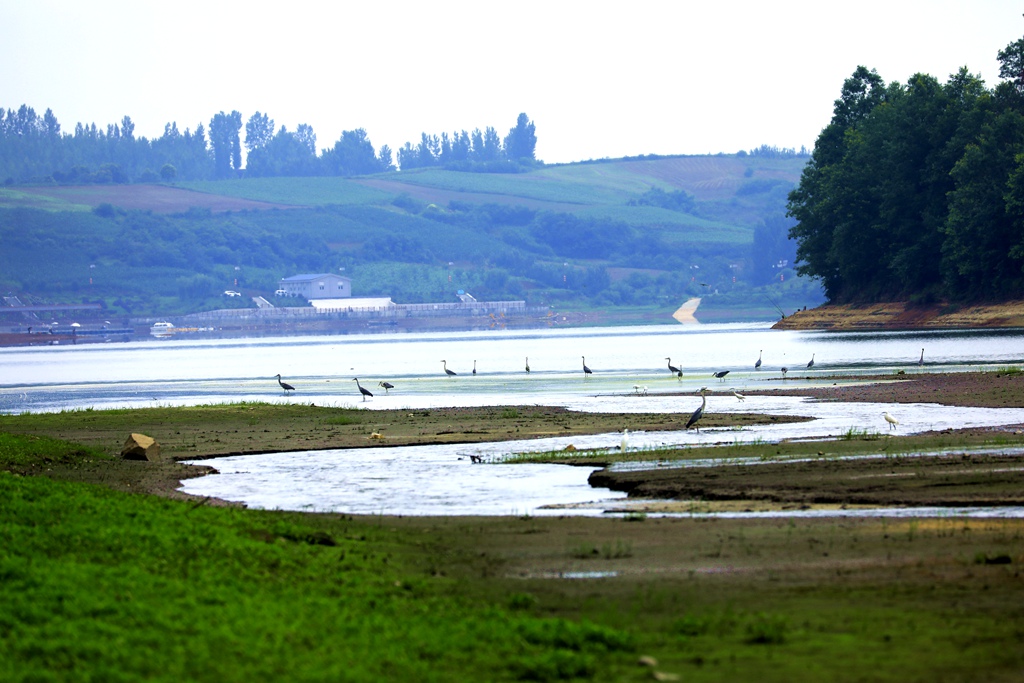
916	190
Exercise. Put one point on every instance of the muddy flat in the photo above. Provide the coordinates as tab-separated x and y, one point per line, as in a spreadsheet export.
884	481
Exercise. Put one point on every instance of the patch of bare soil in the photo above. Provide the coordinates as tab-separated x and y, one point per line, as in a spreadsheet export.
979	389
903	316
953	480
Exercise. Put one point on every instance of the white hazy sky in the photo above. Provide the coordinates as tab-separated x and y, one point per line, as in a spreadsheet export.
599	79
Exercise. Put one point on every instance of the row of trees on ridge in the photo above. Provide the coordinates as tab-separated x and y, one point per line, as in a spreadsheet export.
33	148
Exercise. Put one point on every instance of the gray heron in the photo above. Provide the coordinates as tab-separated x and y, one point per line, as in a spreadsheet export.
587	372
386	386
284	385
450	373
699	413
364	392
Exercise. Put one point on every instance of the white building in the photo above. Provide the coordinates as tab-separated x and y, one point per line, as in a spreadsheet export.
322	286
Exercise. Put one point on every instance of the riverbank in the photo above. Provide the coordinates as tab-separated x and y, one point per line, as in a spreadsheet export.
904	316
198	432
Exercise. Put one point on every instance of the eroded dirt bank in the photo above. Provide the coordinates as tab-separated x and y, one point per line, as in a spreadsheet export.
904	316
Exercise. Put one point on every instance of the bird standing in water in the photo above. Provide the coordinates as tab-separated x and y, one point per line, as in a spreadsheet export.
364	392
757	365
699	413
587	372
386	386
284	385
450	373
891	420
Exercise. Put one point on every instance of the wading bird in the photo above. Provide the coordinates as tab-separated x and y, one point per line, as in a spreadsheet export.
527	364
386	386
450	373
921	359
474	367
587	372
640	389
284	385
364	392
673	369
720	374
810	363
784	371
625	441
739	396
891	420
757	365
699	413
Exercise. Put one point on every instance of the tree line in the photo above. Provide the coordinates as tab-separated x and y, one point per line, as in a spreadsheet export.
34	149
916	190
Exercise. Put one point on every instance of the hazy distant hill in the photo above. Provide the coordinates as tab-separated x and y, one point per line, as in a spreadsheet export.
642	233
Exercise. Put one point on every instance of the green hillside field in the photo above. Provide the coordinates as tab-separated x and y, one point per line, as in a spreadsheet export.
640	234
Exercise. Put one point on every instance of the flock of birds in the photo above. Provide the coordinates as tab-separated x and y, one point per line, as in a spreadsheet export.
639	389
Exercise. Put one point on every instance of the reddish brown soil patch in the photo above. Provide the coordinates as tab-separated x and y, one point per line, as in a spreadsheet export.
902	316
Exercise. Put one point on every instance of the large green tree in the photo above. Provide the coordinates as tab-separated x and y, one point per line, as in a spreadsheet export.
521	141
916	190
225	143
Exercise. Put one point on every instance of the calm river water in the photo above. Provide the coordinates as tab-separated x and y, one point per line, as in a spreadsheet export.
188	372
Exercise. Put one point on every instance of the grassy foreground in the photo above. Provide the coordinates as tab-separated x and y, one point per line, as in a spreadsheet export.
100	584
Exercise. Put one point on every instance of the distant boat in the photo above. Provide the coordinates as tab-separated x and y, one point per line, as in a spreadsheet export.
162	329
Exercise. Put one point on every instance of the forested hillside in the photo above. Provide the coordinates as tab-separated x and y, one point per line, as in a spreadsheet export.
916	190
640	233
